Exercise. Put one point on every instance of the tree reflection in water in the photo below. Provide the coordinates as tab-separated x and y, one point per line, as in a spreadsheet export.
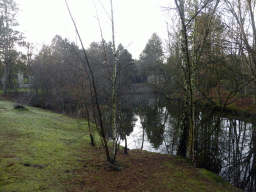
229	151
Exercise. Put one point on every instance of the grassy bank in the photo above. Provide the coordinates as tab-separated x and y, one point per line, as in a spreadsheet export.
16	90
45	151
236	103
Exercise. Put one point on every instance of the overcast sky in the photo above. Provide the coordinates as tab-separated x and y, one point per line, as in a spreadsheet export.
135	21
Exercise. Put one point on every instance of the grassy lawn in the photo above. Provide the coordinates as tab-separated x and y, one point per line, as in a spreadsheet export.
37	148
45	151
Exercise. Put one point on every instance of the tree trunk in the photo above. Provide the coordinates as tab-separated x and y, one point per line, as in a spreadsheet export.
114	127
182	149
185	145
6	53
125	146
92	80
188	65
5	79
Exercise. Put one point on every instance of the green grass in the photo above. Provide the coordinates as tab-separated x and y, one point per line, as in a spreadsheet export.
37	147
213	177
14	90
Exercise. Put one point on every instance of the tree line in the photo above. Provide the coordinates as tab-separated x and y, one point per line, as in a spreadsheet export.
209	56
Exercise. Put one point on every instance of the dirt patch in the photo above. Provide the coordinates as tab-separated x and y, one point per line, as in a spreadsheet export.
131	172
138	171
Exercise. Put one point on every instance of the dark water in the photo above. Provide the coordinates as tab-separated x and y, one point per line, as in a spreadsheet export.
153	124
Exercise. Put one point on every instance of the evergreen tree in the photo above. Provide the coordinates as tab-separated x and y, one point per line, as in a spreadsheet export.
9	36
151	58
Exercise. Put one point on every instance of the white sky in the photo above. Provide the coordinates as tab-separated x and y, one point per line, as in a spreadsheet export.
135	21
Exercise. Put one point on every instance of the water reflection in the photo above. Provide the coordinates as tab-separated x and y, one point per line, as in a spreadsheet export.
139	139
225	145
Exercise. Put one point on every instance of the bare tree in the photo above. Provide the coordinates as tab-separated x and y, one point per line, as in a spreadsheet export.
186	147
114	127
243	14
92	79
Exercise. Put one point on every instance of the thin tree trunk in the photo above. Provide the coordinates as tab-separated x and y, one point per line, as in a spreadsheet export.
184	145
6	54
143	138
114	127
102	132
89	125
87	111
249	2
125	145
5	79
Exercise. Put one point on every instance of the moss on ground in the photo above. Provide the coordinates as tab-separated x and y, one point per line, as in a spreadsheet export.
45	151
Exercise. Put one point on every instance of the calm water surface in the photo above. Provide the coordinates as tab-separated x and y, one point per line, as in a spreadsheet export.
226	144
